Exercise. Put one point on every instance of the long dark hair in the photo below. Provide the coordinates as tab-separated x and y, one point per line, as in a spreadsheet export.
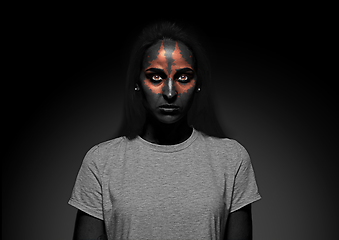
201	115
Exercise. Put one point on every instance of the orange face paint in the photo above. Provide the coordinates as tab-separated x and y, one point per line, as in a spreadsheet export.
159	62
179	63
170	59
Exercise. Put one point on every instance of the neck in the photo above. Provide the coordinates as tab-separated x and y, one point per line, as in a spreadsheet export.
166	134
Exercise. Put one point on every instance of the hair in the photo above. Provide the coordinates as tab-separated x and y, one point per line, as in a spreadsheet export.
201	115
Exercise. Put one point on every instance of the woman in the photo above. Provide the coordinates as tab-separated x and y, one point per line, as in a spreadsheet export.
167	177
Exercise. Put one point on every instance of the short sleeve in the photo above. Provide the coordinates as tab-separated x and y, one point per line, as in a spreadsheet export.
87	191
245	189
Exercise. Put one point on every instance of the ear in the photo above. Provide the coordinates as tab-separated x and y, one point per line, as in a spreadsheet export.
198	87
137	88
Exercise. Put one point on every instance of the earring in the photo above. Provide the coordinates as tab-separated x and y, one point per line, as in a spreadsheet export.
137	88
199	89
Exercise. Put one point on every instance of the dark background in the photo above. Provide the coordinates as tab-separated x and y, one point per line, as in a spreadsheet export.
273	92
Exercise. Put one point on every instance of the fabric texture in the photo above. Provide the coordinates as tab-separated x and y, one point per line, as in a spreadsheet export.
148	191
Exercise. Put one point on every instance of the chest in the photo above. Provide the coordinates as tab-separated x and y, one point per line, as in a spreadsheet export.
167	185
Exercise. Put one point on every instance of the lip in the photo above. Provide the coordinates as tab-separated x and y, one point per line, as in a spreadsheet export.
169	108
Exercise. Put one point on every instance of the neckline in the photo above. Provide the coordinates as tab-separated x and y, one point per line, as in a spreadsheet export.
170	148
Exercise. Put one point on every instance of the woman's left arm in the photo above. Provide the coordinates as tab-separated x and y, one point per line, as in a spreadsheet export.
239	224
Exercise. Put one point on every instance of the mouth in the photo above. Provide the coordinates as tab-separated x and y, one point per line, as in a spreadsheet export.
169	108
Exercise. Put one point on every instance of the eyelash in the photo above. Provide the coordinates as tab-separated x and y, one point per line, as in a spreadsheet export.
156	80
188	77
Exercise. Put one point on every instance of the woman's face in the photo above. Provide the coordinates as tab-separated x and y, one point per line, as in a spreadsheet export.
168	80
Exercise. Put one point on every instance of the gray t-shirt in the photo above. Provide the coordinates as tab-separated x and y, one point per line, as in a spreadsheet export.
148	191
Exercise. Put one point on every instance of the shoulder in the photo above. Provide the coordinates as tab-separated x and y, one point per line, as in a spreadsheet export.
102	152
226	149
109	146
228	145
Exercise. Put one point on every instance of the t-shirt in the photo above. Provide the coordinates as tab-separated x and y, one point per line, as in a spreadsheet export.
185	191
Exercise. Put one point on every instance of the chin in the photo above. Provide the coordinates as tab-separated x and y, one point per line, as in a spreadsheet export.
169	119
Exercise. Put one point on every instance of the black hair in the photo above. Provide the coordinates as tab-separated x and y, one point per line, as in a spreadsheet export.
201	115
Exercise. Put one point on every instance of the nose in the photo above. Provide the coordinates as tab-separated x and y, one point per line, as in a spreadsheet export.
169	91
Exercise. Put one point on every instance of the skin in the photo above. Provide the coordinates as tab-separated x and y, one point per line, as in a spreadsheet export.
239	224
167	77
88	227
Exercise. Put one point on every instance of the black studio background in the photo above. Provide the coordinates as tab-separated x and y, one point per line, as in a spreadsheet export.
273	93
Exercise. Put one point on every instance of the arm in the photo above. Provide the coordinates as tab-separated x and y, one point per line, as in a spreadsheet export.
88	227
239	224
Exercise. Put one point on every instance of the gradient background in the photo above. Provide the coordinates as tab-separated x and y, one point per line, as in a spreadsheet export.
272	93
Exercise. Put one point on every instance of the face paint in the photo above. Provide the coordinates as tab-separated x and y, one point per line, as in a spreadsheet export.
168	61
167	80
159	62
179	63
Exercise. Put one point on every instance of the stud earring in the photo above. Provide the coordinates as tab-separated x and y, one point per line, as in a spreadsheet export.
199	89
137	88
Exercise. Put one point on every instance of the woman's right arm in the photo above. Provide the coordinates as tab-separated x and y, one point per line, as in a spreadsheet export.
88	227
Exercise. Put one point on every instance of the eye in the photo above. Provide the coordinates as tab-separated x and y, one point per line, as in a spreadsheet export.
156	78
183	78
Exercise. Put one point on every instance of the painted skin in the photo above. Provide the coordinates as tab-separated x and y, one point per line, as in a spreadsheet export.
168	77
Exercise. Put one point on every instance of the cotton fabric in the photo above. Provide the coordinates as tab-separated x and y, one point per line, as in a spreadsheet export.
185	191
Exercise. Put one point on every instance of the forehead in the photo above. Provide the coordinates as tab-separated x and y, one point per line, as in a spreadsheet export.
167	50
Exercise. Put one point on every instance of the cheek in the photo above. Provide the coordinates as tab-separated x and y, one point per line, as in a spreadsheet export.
185	89
155	89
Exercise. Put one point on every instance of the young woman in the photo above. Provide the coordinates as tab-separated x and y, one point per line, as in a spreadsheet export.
170	176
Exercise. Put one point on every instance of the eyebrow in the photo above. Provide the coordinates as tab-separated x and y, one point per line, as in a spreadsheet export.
159	70
156	70
184	70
